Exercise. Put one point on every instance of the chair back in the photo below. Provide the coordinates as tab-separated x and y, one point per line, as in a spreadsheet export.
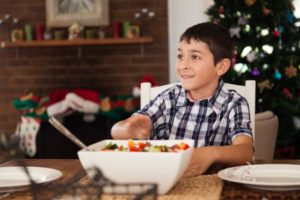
248	91
266	128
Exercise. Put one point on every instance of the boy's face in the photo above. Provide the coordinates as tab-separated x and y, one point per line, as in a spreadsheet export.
196	69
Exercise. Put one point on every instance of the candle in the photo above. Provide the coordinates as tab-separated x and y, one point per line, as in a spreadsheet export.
39	31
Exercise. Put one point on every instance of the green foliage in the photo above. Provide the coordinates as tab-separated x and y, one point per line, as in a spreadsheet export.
264	25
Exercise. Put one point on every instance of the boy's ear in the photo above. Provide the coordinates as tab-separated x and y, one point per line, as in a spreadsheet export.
223	66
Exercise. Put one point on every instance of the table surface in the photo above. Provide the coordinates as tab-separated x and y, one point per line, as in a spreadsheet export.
70	168
240	192
73	173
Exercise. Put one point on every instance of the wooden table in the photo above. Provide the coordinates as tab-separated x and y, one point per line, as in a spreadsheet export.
73	173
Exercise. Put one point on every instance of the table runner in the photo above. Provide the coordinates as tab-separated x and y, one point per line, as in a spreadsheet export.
204	187
236	191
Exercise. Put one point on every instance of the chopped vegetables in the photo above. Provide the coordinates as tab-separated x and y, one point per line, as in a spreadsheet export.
139	146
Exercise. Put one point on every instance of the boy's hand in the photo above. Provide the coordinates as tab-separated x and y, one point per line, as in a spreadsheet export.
239	153
135	127
201	160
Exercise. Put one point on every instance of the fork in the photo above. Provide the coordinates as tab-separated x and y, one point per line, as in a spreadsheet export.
62	129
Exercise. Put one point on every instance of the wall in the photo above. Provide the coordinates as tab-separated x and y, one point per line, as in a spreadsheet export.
112	70
181	15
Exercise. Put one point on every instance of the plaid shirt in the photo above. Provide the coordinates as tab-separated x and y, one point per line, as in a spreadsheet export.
214	121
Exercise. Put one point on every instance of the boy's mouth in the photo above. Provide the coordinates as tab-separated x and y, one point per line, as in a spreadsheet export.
185	76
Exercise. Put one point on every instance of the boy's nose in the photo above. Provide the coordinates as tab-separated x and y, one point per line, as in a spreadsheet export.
184	64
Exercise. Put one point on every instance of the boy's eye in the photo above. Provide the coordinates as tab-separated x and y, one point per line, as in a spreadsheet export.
179	56
195	57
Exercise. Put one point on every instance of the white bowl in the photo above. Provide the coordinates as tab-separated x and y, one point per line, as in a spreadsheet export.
162	168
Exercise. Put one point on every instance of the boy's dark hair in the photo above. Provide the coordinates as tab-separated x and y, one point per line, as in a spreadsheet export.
214	35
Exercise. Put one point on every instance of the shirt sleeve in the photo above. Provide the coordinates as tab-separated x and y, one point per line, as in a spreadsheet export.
239	119
156	111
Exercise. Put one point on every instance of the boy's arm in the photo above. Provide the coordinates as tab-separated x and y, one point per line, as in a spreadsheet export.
135	127
239	153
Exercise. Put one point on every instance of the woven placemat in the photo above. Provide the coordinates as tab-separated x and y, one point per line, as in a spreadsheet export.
235	191
204	187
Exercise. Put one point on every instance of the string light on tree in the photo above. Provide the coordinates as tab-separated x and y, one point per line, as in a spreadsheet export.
261	55
268	49
240	68
247	28
246	51
265	66
264	32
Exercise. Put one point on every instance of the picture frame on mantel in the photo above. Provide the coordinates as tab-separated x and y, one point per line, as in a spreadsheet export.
64	13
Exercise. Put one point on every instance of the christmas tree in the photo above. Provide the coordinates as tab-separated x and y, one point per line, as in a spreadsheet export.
266	49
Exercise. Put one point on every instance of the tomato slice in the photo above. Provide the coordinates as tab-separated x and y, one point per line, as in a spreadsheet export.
142	145
183	146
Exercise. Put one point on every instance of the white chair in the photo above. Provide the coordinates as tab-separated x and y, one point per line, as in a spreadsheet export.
247	90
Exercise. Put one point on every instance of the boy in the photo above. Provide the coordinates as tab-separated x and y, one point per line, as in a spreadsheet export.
200	109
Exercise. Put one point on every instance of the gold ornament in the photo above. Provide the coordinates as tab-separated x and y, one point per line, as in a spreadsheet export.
128	105
105	104
264	85
291	71
250	2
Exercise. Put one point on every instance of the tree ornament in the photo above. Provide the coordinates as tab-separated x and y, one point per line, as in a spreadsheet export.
291	71
235	31
234	58
250	3
221	10
251	56
286	92
277	75
280	29
290	17
276	32
105	104
266	84
255	72
243	20
266	11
